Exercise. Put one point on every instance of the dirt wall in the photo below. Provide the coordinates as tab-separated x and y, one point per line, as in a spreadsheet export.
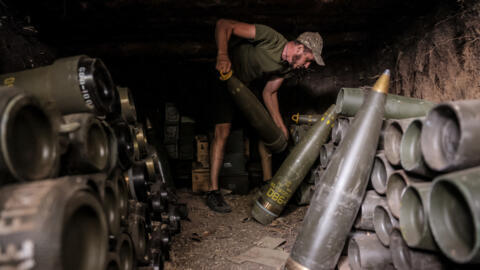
438	58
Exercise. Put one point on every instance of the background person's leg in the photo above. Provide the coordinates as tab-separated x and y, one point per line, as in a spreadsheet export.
217	151
215	200
266	161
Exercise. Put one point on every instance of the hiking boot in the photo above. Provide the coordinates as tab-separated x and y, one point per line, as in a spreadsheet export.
217	203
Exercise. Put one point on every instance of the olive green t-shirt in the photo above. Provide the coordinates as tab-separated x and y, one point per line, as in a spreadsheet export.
259	57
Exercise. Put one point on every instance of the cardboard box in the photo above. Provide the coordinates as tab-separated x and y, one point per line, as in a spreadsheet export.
200	180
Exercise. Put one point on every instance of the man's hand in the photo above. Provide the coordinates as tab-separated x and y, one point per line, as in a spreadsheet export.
223	63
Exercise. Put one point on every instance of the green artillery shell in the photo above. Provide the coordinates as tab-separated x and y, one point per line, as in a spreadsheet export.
414	217
450	135
257	115
293	170
71	85
454	215
349	101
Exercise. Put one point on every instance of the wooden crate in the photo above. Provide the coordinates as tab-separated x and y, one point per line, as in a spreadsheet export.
200	180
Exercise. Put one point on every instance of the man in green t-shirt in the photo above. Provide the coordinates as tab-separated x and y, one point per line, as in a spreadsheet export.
258	51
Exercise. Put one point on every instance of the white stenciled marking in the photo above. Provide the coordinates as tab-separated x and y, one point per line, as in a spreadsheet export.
82	78
18	257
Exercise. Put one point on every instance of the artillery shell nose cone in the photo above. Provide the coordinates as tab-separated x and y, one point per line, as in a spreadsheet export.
381	85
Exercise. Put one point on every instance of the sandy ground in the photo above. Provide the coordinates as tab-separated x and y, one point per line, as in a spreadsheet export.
209	238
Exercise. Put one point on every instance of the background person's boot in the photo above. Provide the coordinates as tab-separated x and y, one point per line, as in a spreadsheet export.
217	203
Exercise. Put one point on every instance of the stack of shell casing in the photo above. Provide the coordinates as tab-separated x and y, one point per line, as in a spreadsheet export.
81	187
376	227
420	209
338	193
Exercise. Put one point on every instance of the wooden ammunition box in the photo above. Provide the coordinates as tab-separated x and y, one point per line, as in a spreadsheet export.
200	180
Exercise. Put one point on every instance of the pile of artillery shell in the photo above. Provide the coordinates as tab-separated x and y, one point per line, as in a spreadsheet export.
420	210
81	186
338	196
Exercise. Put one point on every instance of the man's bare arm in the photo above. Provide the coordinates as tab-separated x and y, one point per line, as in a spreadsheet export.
270	97
223	31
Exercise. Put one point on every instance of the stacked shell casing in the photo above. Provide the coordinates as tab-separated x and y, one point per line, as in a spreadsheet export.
81	186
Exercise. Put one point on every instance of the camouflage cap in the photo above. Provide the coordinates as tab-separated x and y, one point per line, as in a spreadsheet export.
314	42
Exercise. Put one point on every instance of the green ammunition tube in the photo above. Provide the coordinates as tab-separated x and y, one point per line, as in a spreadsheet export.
256	115
88	149
364	220
71	85
450	133
411	157
384	223
396	184
55	224
125	137
381	171
414	217
392	137
454	215
112	146
349	101
29	141
367	252
405	258
293	170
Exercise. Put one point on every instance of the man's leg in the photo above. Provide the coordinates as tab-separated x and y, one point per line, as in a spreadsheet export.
266	160
217	152
215	199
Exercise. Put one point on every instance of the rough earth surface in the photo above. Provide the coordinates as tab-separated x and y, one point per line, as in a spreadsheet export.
438	58
209	238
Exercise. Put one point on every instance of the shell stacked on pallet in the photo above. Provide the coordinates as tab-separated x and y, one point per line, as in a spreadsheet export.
81	187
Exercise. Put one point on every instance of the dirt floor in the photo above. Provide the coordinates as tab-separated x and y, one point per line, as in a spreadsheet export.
209	238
